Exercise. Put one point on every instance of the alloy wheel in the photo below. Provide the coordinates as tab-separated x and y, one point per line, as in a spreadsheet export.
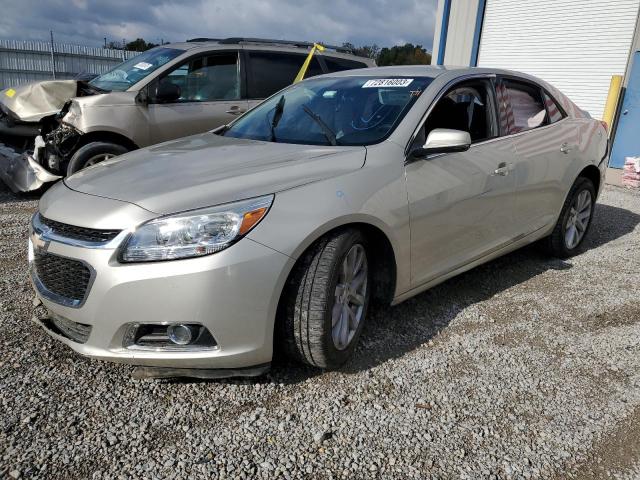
99	158
578	220
350	296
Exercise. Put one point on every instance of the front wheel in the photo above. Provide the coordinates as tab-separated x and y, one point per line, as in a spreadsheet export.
92	153
326	299
575	219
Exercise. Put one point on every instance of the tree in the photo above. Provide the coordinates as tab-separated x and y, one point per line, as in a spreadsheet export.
407	54
367	51
139	45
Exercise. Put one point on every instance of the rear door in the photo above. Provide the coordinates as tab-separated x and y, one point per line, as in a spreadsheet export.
210	95
269	72
461	204
546	144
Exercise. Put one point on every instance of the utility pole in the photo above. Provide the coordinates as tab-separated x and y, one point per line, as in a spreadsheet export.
53	60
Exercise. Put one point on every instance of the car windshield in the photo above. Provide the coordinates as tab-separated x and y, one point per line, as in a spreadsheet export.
357	110
135	69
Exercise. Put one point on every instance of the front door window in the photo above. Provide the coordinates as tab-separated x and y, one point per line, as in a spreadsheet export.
207	78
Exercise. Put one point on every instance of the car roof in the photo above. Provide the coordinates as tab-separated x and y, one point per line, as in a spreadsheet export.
429	71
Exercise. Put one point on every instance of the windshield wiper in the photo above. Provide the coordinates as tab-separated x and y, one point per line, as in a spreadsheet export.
331	136
277	115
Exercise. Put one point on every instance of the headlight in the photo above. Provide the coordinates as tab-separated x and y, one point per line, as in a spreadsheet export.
194	233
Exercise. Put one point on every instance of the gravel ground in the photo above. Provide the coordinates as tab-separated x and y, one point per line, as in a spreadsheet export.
526	367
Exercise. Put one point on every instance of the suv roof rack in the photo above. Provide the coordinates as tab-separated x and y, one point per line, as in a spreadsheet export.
269	41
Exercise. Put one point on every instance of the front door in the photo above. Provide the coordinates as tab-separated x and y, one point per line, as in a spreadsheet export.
209	89
627	140
461	204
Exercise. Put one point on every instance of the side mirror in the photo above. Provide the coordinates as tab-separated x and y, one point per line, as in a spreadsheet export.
443	140
167	92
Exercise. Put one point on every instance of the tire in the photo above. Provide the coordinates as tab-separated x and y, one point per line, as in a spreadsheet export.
558	243
307	310
93	153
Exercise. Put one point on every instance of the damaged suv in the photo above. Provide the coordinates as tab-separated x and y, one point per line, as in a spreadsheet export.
165	93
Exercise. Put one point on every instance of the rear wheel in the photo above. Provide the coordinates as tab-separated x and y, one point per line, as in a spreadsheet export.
325	302
92	153
575	219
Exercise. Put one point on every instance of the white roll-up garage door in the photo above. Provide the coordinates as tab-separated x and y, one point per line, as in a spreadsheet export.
576	45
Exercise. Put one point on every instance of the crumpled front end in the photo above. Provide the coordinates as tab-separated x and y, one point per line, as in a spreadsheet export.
21	171
25	113
32	102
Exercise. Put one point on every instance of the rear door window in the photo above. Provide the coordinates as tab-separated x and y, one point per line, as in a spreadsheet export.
336	64
270	72
521	106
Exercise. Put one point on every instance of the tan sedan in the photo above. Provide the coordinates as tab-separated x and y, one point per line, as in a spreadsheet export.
198	256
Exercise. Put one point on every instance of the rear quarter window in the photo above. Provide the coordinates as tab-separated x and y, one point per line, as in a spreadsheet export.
554	111
335	64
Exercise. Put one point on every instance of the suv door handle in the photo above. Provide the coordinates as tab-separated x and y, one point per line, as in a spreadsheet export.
235	110
503	169
566	148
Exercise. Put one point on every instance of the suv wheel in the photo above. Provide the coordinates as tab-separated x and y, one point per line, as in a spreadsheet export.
92	153
575	220
326	299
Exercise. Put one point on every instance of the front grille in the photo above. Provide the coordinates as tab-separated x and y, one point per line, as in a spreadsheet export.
80	233
62	276
78	332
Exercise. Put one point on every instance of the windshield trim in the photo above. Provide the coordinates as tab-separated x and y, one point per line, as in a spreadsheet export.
223	129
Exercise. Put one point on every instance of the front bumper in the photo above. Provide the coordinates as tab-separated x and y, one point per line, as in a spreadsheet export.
234	293
21	172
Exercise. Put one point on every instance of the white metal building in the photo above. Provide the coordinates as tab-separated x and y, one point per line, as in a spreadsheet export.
576	45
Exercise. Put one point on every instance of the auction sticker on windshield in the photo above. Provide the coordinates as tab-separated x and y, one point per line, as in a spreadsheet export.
388	82
143	65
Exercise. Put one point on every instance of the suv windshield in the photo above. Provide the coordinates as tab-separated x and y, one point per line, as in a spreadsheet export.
135	69
360	110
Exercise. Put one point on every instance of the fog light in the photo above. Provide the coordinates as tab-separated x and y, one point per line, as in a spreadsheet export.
183	337
180	334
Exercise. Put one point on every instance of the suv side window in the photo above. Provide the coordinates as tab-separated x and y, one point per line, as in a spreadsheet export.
521	106
207	78
336	64
269	72
468	106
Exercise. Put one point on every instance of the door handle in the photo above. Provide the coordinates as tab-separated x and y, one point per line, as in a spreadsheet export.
235	110
565	148
503	169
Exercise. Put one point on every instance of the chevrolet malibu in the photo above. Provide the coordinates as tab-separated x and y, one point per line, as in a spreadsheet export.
202	256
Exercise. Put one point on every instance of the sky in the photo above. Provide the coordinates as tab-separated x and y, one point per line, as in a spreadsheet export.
87	22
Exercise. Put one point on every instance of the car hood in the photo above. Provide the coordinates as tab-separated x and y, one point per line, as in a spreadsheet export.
29	103
208	169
